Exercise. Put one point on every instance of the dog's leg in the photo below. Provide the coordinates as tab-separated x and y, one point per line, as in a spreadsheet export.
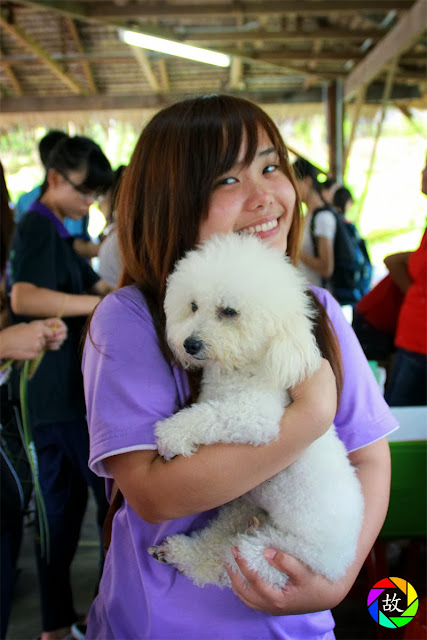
246	420
202	555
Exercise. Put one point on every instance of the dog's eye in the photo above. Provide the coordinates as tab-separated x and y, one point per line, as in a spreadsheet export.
194	307
228	312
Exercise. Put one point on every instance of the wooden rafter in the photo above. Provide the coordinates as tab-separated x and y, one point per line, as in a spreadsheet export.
397	40
282	36
236	73
85	63
75	9
164	76
144	63
12	77
274	57
19	34
236	67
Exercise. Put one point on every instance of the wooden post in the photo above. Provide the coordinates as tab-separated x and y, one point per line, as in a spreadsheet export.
334	112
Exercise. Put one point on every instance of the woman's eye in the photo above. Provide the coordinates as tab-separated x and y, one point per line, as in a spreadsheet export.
270	168
228	180
194	307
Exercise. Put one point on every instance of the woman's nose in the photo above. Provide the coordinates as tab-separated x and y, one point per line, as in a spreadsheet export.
259	196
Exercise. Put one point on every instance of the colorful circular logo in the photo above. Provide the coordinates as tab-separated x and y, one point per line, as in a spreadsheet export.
392	602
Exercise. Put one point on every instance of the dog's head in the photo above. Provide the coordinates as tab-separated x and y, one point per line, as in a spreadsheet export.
241	304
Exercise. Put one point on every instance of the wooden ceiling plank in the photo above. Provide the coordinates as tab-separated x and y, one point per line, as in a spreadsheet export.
145	65
27	41
397	40
85	64
131	10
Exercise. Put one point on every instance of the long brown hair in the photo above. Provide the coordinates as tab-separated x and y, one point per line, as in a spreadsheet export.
167	185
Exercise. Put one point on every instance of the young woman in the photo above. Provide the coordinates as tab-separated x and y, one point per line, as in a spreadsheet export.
318	262
51	279
204	166
343	200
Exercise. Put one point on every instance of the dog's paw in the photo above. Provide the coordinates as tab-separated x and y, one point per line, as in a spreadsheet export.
174	437
158	553
169	450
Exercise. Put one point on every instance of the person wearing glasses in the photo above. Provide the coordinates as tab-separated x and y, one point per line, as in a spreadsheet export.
50	279
77	228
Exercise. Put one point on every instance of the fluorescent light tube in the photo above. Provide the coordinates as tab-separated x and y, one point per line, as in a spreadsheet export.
174	48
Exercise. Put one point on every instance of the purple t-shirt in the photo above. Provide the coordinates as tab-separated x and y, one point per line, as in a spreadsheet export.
129	386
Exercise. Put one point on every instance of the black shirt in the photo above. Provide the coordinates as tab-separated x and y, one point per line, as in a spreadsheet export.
42	257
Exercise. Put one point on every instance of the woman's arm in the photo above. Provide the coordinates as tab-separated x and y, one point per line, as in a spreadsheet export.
86	248
397	264
323	263
306	591
101	288
215	474
28	300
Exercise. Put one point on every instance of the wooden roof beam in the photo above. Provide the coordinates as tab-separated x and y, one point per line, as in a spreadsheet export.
11	75
144	63
133	10
274	57
28	42
236	73
397	40
85	64
201	38
164	76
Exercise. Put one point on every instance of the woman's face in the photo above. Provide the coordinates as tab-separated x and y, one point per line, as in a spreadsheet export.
257	199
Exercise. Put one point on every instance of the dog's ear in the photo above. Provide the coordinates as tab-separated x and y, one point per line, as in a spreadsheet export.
293	353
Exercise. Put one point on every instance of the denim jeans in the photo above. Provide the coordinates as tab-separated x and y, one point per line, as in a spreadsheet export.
407	383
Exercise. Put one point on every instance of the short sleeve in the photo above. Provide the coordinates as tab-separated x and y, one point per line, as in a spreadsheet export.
33	255
128	383
363	416
325	225
89	276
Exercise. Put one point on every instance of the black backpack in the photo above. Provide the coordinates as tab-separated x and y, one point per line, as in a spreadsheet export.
352	274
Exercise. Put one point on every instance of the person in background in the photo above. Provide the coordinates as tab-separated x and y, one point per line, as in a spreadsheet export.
342	200
327	189
50	278
83	243
317	263
110	262
407	382
23	341
211	165
46	145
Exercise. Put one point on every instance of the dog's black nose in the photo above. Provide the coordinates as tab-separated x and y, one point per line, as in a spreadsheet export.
193	345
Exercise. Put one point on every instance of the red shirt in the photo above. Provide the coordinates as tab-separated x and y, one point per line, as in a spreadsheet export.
411	331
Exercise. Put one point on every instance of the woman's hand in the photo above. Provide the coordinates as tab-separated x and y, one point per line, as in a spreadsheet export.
24	341
304	593
58	333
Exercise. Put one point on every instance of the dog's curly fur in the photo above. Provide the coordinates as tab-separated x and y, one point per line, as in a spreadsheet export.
240	310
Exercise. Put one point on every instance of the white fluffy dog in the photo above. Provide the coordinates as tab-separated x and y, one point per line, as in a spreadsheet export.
239	309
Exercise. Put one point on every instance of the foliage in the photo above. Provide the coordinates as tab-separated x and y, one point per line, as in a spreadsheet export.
394	212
